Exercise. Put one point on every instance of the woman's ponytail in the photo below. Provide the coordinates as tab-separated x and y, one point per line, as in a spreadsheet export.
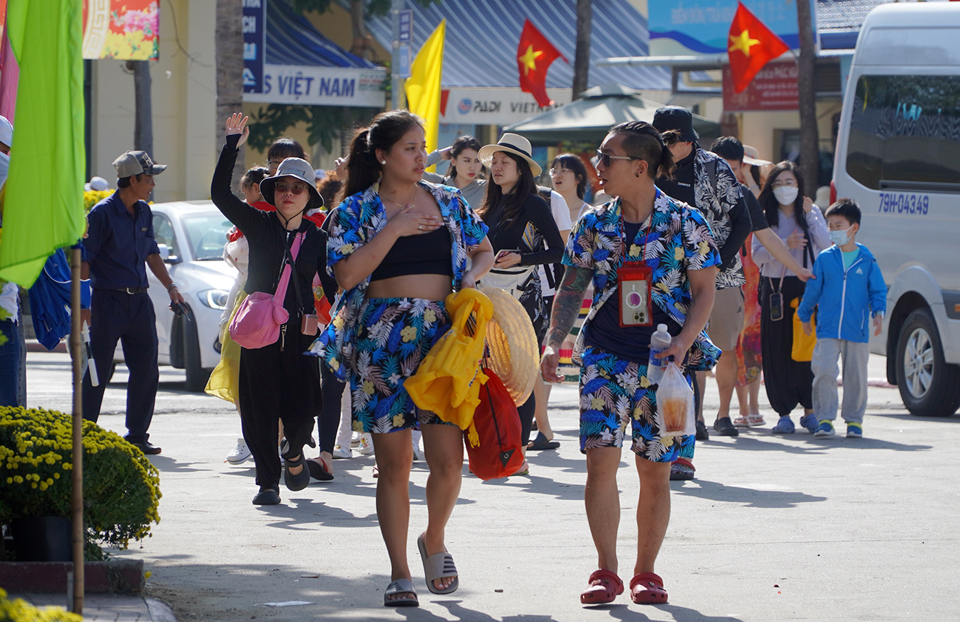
363	170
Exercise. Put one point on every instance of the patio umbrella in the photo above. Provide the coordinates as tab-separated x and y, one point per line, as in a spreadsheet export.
589	118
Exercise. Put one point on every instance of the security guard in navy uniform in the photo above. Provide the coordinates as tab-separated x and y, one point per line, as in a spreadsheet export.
117	248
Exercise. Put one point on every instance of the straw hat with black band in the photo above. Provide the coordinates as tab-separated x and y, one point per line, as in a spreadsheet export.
298	169
510	143
512	345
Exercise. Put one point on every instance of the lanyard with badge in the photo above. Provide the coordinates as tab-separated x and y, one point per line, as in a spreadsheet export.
634	280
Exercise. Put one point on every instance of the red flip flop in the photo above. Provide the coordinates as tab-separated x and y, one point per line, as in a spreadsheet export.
647	589
605	586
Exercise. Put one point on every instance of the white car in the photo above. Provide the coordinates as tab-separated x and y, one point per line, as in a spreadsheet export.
191	235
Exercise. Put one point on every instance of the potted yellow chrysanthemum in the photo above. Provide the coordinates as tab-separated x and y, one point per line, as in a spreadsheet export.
120	487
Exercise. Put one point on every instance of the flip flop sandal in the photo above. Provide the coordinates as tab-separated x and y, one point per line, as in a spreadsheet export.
741	422
319	470
681	470
755	420
647	589
541	443
605	586
399	587
438	566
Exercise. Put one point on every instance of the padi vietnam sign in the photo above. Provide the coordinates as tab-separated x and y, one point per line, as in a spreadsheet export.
321	86
493	106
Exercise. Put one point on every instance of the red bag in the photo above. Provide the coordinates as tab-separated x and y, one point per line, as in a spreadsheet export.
498	425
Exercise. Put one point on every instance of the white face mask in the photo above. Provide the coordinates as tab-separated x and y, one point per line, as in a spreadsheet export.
840	237
786	195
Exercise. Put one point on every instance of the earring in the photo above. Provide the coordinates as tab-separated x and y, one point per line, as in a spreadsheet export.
383	161
638	174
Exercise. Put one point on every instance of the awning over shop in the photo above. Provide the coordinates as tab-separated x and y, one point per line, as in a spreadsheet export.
299	65
482	38
589	118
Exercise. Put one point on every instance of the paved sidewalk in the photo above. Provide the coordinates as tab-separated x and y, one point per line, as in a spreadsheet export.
773	528
108	607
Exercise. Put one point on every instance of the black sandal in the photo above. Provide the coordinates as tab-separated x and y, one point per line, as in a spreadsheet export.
293	482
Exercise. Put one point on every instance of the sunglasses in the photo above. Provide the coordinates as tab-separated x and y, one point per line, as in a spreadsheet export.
294	189
604	158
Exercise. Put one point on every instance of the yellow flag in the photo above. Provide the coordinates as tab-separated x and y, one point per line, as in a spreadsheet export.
423	85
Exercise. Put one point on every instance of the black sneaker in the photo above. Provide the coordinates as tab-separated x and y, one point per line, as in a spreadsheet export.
725	427
702	434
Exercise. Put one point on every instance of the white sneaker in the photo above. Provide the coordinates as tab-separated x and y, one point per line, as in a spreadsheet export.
366	445
240	454
342	453
355	439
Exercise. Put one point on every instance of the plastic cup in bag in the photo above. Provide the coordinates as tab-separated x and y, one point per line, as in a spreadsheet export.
675	407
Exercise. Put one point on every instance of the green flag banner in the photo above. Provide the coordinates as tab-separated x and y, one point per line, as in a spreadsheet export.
43	208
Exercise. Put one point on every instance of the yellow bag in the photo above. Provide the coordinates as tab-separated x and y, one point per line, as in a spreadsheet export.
803	344
224	380
449	377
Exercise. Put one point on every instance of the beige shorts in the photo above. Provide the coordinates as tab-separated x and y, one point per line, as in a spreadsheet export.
726	319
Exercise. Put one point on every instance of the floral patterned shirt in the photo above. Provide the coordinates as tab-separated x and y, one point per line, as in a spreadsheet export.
356	221
683	242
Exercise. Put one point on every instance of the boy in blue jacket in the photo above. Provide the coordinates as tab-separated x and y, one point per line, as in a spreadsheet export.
848	288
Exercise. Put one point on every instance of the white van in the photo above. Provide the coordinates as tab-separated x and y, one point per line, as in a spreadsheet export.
898	155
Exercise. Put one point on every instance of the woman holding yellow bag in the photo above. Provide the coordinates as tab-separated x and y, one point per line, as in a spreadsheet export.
398	246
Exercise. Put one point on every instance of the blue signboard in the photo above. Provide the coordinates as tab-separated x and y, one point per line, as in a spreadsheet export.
254	37
702	26
406	26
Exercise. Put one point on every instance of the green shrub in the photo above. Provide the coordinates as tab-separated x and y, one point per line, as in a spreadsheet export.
21	611
120	487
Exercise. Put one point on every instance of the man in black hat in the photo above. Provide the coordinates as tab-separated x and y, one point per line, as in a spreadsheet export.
117	248
706	182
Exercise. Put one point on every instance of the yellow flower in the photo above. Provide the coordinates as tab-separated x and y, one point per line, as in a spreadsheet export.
635	250
429	316
346	249
666	441
368	387
338	322
597	403
678	253
644	382
335	364
409	333
398	421
704	248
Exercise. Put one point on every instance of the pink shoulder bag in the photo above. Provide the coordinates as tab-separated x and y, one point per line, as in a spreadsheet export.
258	320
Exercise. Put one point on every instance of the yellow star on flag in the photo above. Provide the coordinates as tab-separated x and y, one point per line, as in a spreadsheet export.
529	60
742	42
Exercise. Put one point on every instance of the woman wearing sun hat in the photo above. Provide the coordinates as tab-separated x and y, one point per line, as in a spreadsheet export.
522	231
277	381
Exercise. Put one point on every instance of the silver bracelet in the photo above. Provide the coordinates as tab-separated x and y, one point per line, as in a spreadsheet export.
171	286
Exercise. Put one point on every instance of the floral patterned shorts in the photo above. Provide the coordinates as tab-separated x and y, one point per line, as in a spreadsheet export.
614	391
393	336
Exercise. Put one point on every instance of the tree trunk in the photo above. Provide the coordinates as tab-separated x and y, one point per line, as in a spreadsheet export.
229	58
809	136
581	62
143	115
359	45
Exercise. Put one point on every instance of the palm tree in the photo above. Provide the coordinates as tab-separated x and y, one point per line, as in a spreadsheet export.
229	58
581	62
806	86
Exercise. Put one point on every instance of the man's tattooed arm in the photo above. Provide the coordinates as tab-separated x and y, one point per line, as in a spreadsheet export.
567	304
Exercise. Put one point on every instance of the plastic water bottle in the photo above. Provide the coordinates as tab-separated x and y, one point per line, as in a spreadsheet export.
659	342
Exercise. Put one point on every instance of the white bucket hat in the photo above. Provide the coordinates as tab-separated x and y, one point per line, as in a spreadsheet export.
298	169
511	143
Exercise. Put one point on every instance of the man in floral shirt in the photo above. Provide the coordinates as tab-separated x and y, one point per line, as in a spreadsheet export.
704	181
671	243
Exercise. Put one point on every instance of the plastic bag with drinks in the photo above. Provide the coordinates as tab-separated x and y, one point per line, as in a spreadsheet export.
675	409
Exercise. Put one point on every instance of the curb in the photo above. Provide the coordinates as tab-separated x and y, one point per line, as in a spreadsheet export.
123	576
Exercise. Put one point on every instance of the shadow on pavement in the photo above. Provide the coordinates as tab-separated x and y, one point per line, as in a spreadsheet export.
803	443
751	497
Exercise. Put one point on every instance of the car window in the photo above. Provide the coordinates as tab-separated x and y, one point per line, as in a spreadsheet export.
206	235
904	132
163	233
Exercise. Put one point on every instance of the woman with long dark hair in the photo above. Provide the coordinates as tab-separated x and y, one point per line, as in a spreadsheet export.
398	246
569	176
465	169
522	231
801	226
276	381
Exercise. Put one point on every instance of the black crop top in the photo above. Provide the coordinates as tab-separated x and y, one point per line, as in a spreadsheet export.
417	254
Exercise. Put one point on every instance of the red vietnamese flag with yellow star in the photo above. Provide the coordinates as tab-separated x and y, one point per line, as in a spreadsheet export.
751	46
534	56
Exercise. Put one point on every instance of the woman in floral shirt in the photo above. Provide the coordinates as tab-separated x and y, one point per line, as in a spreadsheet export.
672	244
398	246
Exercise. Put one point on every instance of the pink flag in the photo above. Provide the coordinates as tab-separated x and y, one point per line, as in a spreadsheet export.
9	75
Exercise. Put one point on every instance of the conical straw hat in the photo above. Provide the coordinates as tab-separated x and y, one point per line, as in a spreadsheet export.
512	342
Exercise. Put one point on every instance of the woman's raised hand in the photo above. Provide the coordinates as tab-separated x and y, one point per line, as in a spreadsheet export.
237	124
796	240
409	222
